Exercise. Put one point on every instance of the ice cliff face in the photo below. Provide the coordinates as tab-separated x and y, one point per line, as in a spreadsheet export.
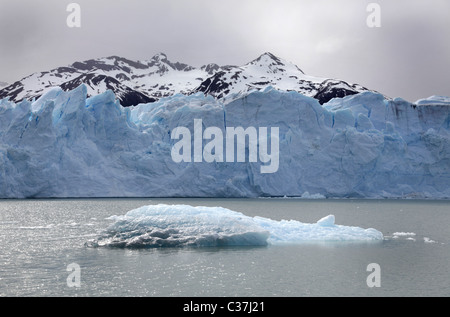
67	145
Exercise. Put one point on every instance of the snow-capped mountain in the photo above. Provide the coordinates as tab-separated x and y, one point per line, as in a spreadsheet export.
135	82
269	70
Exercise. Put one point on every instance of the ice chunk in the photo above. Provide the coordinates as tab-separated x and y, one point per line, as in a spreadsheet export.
182	225
403	234
434	100
428	240
307	195
327	221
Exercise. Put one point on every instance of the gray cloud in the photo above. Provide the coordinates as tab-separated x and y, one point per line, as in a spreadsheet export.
409	56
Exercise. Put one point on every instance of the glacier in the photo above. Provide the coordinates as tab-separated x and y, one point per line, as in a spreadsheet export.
362	146
162	225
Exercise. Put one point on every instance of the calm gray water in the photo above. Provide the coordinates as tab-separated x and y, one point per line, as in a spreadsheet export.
41	238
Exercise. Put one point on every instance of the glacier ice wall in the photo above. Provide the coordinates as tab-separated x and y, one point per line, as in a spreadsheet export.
65	145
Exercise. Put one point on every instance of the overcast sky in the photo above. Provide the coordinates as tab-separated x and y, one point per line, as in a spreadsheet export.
408	56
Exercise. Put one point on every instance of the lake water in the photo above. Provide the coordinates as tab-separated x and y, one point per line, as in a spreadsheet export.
40	239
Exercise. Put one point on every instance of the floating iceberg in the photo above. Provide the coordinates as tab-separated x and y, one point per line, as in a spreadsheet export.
187	226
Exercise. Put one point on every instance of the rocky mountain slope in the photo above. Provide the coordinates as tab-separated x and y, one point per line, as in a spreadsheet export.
135	82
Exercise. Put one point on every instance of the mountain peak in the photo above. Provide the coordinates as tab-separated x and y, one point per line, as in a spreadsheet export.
211	68
161	61
268	55
273	62
268	58
159	57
